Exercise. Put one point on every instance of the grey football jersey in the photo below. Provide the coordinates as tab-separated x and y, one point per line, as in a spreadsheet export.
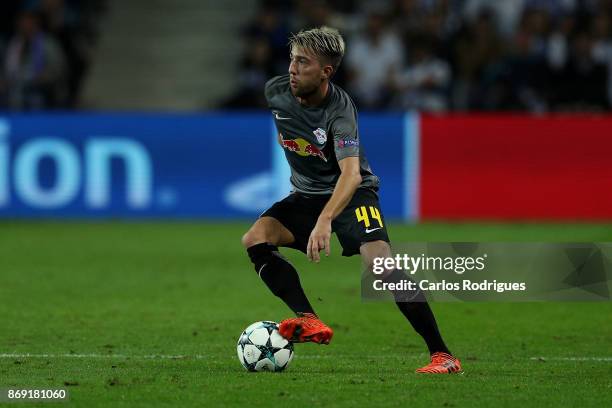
315	138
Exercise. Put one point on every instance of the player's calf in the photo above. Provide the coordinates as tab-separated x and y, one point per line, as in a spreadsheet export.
280	276
413	305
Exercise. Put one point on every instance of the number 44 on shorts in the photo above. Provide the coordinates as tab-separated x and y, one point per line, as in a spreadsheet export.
362	215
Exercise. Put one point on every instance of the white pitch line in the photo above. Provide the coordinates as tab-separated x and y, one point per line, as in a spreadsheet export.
146	357
162	356
572	358
201	357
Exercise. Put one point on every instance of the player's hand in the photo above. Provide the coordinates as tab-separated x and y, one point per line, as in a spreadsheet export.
319	240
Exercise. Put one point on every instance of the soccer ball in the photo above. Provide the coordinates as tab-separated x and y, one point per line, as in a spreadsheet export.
262	348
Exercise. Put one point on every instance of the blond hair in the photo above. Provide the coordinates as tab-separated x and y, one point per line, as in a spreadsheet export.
324	42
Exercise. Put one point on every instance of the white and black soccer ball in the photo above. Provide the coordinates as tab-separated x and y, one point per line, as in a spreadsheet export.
262	348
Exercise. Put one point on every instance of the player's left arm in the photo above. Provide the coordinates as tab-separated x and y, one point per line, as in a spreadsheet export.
345	136
348	182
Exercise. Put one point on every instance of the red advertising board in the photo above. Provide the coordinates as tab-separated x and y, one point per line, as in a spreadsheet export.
516	167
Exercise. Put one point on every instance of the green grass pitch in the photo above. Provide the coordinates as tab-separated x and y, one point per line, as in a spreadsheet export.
101	308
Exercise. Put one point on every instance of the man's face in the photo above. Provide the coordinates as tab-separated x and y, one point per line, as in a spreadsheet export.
305	72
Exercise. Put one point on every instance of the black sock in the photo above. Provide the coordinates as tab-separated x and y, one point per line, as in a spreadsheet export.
280	276
415	308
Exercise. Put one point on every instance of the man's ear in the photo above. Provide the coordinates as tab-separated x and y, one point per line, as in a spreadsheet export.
328	71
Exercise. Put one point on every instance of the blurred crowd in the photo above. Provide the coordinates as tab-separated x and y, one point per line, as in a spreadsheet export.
446	55
45	51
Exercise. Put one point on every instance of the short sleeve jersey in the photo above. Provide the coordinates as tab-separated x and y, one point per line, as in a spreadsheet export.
316	138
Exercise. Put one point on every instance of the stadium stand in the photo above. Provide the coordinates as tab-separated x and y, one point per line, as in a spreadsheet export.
449	55
45	51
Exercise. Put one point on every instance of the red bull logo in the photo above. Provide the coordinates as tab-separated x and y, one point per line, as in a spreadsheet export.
291	145
303	148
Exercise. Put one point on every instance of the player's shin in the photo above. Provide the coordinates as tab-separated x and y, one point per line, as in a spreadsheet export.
280	276
415	308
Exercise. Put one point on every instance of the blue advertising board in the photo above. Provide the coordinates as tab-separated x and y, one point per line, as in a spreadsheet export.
212	166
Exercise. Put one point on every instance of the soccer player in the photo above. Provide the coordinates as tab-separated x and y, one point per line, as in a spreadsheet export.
334	190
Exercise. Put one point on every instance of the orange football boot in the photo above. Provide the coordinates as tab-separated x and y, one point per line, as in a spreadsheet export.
306	327
441	363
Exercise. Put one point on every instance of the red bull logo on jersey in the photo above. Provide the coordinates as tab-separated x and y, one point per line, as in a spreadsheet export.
303	148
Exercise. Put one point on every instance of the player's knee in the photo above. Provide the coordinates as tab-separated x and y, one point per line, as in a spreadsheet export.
374	254
252	238
246	240
379	270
